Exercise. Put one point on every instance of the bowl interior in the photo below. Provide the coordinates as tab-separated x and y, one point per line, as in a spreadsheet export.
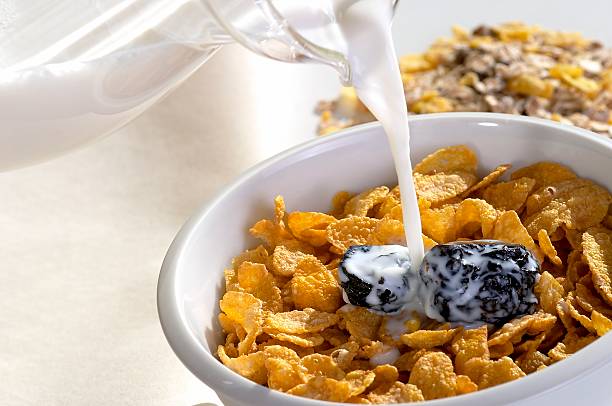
308	176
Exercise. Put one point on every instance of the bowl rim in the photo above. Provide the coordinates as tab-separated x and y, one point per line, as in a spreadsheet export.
220	378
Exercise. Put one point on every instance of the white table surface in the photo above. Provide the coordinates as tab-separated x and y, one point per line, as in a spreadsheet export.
82	237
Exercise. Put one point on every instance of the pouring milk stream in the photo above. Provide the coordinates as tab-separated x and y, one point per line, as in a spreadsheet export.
361	29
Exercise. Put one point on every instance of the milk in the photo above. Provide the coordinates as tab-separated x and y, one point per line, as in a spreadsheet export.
366	28
361	30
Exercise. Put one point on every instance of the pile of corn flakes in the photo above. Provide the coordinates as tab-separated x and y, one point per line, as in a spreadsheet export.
288	327
511	68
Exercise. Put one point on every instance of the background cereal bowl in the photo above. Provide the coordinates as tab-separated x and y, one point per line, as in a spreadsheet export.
191	279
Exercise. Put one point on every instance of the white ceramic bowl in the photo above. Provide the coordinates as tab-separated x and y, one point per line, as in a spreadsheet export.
191	279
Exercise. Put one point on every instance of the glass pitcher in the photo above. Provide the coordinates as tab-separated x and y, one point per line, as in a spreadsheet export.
73	71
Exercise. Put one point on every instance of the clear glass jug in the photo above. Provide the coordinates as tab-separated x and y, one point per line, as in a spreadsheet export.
71	71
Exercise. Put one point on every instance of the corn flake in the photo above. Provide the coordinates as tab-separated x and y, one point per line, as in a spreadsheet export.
314	286
544	173
549	291
585	207
361	204
439	224
299	321
509	195
598	253
469	344
434	375
388	231
359	381
465	385
439	187
322	365
448	160
301	340
509	228
360	323
548	248
570	345
601	323
489	179
478	212
397	393
407	360
284	261
257	255
501	371
322	388
532	361
531	324
385	375
256	280
251	366
501	350
428	338
310	227
353	230
283	375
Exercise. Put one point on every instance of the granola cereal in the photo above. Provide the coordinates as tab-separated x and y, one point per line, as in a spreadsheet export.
510	68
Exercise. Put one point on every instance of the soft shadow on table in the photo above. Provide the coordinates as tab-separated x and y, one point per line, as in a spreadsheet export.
206	404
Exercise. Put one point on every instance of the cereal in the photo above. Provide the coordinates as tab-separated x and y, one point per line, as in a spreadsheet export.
322	365
601	324
310	226
359	381
251	366
364	202
570	344
498	372
315	286
352	230
407	360
283	375
360	322
255	279
533	361
300	321
458	158
322	388
509	195
544	173
598	252
302	340
548	248
529	324
285	323
585	207
489	179
428	338
384	376
285	261
549	291
257	255
508	68
434	375
439	187
465	385
476	211
509	228
439	224
470	344
397	393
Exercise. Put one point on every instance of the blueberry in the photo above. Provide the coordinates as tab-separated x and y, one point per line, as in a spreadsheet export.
377	277
476	282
